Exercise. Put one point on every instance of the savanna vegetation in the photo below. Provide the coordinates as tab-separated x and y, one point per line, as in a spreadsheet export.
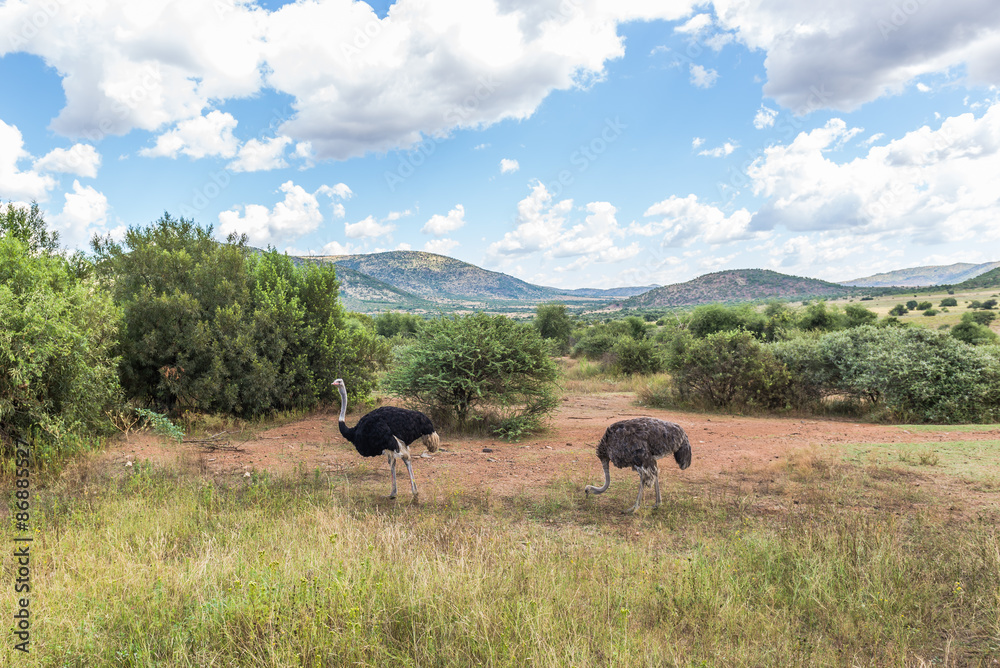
814	359
833	559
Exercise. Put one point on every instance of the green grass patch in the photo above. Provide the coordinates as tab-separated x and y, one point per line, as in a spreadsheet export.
950	428
969	459
161	567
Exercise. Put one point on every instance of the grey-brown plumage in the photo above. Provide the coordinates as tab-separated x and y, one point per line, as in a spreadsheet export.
638	443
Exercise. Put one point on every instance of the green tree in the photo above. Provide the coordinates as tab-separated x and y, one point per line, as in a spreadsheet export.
711	318
729	370
478	371
390	324
949	301
912	305
28	226
980	317
898	309
819	317
633	356
214	326
970	330
856	315
553	322
57	332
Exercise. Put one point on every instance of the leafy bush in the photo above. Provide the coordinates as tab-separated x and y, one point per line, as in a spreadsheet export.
712	318
912	305
923	306
596	342
931	311
856	315
915	374
980	317
970	330
949	301
391	324
819	317
213	326
898	309
57	367
729	370
632	356
478	371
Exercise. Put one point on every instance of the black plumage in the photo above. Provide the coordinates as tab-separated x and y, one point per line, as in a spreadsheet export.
388	430
637	444
376	432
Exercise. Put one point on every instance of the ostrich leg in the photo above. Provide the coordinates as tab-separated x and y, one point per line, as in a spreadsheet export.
403	453
656	481
638	499
590	489
392	469
409	469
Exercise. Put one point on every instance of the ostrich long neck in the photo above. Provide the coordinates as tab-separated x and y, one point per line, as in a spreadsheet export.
345	432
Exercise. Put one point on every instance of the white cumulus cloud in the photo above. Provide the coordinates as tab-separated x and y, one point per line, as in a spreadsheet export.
508	166
439	225
764	118
259	156
703	77
440	246
930	185
85	212
843	54
369	227
210	135
298	214
684	220
79	159
14	183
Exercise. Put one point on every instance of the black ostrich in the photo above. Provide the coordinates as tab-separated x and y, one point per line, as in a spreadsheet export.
388	430
638	443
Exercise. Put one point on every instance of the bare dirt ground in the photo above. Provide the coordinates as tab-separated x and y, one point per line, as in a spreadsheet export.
740	452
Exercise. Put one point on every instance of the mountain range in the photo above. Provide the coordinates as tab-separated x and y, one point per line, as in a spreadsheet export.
951	274
421	282
738	285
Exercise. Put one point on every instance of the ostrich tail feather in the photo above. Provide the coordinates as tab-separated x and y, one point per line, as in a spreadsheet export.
432	441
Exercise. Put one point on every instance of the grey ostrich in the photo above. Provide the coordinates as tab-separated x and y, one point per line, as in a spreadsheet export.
390	431
638	443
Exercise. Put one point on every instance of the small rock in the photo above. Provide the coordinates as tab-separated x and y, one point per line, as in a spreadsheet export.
247	474
487	449
128	463
424	455
548	447
490	459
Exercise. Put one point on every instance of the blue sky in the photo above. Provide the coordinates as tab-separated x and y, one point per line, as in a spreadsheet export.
573	143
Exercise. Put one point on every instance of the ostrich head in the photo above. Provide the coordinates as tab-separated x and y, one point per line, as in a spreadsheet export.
683	456
339	382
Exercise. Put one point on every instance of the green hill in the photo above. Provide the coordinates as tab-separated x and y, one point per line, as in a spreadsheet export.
365	294
439	278
925	276
738	285
991	279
